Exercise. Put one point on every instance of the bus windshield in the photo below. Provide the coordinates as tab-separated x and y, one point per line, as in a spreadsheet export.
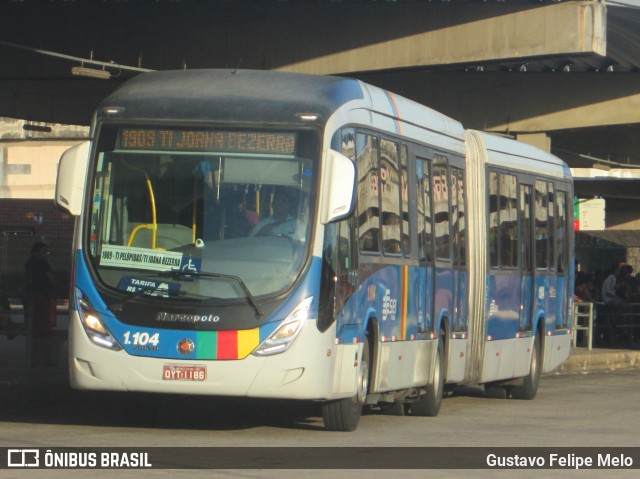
227	209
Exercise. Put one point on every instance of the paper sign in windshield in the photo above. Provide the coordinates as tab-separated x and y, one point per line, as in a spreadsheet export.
139	258
153	287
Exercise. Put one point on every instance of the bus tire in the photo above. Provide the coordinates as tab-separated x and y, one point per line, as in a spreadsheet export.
429	403
344	414
529	386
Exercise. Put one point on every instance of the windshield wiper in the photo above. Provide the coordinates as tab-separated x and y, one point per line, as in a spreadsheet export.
175	273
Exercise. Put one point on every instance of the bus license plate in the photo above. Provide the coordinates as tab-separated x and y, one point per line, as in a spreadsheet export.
174	372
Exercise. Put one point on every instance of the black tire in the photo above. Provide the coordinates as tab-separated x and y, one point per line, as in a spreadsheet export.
429	402
344	414
530	382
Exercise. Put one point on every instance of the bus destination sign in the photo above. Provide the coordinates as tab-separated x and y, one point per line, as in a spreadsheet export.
206	140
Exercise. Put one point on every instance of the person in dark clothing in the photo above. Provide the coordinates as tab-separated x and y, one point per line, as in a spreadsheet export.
40	303
237	223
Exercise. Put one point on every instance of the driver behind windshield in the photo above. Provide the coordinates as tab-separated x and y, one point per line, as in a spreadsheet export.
281	221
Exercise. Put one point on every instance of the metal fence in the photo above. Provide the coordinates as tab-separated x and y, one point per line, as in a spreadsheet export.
606	325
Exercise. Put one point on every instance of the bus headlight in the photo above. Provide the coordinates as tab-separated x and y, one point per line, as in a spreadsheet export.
280	340
93	325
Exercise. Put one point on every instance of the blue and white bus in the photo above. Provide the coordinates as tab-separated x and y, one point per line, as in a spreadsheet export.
410	254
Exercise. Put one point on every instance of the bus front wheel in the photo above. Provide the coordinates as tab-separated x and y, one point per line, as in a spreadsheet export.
344	414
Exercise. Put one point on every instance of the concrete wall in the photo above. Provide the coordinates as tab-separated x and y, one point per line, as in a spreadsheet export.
29	155
28	168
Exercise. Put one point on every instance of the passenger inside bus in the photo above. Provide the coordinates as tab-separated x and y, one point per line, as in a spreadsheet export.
281	221
237	220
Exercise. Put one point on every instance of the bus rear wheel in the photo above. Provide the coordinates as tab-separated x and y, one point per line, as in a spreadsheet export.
344	414
429	403
529	386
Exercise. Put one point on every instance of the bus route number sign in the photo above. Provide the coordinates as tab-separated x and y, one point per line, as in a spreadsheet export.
207	141
174	372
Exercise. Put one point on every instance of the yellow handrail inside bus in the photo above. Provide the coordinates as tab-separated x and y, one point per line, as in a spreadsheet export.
195	203
154	221
153	228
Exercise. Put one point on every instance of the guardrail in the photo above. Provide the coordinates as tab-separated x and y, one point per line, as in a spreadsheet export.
618	323
583	320
607	325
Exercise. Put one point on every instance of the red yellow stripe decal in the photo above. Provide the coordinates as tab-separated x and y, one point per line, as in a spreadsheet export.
227	344
404	302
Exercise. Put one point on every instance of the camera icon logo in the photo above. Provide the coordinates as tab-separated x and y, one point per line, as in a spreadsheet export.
23	458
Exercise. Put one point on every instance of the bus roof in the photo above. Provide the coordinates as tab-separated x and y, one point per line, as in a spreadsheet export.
232	96
516	155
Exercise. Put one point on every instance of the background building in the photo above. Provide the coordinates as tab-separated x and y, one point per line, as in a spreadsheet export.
29	155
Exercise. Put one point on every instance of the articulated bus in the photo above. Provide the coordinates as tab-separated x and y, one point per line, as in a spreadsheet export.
404	254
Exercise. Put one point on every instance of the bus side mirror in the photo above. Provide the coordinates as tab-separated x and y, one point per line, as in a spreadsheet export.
72	173
338	187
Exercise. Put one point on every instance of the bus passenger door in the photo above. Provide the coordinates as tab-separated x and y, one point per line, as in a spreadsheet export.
444	277
425	246
526	249
564	290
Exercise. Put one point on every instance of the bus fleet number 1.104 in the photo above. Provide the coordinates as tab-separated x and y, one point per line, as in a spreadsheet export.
141	339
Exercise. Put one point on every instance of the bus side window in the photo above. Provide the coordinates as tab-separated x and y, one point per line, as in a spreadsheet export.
525	221
348	143
404	200
493	219
561	235
541	233
461	230
425	237
457	215
390	196
551	227
328	277
368	193
441	204
508	243
337	281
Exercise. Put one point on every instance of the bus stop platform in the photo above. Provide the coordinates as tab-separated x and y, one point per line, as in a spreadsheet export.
582	360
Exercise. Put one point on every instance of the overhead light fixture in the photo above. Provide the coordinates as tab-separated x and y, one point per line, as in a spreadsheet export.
38	128
308	116
600	166
91	73
81	70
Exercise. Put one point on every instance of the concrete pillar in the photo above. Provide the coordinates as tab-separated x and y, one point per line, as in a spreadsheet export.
539	140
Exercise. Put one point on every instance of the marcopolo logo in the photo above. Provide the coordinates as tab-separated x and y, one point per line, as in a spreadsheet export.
187	318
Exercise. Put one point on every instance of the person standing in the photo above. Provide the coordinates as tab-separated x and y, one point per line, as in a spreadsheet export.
609	296
40	304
